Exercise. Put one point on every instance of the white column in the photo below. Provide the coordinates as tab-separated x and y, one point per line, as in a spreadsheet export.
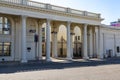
40	41
55	45
96	38
82	39
23	40
48	40
71	39
54	42
91	43
85	43
115	51
68	42
100	43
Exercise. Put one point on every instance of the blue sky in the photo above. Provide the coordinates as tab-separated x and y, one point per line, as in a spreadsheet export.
109	9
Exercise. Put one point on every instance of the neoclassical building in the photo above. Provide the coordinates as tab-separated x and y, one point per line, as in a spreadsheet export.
32	30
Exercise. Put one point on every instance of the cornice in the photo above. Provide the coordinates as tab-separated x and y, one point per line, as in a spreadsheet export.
41	10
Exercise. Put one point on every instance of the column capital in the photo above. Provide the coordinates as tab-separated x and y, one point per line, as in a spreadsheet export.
24	16
85	24
48	19
69	22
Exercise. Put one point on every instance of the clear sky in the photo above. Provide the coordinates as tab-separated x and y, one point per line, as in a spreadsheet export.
109	9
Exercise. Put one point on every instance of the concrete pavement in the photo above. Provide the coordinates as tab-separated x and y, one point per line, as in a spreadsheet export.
108	69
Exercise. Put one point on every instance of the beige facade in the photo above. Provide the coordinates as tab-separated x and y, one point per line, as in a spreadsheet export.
61	32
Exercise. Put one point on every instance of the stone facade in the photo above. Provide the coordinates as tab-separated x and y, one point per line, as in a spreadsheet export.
27	19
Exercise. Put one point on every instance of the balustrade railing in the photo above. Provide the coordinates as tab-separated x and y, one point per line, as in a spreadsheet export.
51	7
11	1
92	14
36	4
58	8
77	12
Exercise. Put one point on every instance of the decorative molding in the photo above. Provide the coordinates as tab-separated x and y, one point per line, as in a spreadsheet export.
35	9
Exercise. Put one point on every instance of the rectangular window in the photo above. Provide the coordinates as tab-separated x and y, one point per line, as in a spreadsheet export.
78	37
5	49
5	26
43	29
118	49
75	37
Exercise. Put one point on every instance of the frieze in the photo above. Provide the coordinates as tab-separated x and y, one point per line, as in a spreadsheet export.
34	9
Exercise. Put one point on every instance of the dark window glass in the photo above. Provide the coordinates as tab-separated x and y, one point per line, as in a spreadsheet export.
75	37
118	50
5	49
78	37
43	29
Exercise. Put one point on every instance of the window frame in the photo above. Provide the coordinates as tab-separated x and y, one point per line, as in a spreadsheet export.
2	50
3	24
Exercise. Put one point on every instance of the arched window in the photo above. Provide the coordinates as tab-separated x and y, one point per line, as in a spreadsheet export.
5	25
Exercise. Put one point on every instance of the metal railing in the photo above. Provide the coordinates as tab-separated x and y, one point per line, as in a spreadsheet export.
51	7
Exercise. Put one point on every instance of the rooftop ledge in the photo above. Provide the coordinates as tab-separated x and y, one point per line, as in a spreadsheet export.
52	7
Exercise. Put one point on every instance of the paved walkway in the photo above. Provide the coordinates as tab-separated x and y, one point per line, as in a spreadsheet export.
94	69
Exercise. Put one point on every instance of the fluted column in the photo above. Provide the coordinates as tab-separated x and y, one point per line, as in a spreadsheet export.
23	40
54	43
96	41
85	43
100	43
71	39
40	40
48	40
68	41
91	42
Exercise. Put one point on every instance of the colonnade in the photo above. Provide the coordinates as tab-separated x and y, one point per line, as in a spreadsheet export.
54	46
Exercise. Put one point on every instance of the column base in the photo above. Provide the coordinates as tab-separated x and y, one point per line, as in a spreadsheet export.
86	58
100	57
91	56
55	57
48	60
39	58
24	61
69	58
